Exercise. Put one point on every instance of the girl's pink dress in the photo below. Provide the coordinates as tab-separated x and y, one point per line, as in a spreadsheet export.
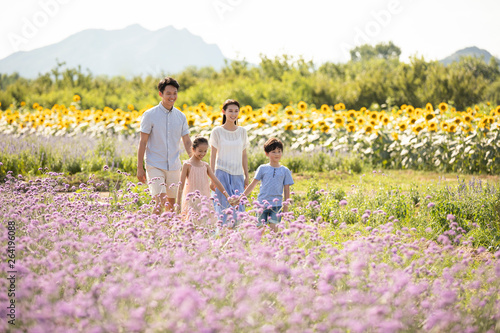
196	194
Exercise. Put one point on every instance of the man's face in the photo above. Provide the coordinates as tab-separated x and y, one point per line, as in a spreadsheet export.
168	97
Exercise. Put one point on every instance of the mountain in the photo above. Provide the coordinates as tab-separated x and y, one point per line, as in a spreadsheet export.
129	52
468	51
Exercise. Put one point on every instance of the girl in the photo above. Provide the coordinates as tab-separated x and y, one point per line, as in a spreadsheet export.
229	144
194	184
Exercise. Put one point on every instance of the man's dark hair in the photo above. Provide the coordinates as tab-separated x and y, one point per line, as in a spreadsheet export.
168	81
272	144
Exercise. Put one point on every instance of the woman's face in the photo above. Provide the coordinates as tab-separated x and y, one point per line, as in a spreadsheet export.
232	111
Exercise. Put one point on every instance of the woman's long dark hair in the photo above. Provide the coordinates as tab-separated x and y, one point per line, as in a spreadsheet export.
224	107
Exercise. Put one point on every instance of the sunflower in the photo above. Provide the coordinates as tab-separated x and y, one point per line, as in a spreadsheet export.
325	108
275	122
351	113
289	111
444	126
432	126
418	112
77	98
130	107
416	129
373	122
476	108
443	107
395	136
428	107
35	105
497	111
468	118
369	129
23	103
457	120
214	117
385	120
342	106
351	127
452	128
429	116
374	115
325	128
360	121
410	109
363	109
339	121
413	120
289	127
302	106
402	126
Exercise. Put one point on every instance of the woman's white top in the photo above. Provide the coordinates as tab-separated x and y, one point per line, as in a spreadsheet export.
230	146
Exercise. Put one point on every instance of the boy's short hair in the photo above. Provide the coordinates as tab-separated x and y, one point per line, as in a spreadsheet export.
168	81
272	144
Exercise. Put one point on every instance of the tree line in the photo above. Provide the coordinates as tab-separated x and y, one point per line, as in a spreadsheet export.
374	75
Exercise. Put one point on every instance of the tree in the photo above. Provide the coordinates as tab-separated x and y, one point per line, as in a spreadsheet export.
382	51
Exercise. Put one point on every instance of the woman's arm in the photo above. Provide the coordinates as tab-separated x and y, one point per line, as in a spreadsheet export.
184	175
286	196
216	182
245	167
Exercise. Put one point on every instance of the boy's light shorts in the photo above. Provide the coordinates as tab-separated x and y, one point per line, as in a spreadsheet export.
160	181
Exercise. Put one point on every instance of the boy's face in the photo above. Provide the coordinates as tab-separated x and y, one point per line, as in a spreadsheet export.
275	155
168	97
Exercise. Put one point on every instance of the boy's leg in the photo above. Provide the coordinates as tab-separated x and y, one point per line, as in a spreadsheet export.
274	218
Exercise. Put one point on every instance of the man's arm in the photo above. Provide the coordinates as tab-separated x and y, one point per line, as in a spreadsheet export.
141	174
187	144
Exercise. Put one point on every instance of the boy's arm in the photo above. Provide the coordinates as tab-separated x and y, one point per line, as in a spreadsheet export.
184	174
286	196
217	182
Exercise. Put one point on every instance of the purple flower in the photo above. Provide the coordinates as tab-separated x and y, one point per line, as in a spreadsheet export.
450	217
105	168
430	205
343	202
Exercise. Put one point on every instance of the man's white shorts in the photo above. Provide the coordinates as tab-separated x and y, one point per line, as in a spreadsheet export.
163	181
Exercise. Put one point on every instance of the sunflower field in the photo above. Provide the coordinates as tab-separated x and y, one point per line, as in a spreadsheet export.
406	137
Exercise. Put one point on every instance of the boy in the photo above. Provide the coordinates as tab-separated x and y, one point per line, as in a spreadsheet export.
276	180
162	128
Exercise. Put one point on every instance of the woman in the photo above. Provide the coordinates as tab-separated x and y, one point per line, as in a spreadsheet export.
229	144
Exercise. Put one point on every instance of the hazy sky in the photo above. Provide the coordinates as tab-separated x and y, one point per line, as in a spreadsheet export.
317	30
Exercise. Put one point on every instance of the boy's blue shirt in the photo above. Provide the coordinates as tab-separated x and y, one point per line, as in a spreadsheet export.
273	180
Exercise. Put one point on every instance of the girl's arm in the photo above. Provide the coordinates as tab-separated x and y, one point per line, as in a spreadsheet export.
184	175
245	167
213	158
286	196
216	182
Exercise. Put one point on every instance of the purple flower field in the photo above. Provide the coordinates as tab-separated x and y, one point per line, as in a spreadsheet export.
90	264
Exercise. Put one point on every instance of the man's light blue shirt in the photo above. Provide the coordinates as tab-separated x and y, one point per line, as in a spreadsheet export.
165	129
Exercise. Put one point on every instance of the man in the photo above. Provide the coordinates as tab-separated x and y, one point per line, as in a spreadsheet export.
162	128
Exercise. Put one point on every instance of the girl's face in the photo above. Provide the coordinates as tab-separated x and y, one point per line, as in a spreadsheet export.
232	111
200	151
